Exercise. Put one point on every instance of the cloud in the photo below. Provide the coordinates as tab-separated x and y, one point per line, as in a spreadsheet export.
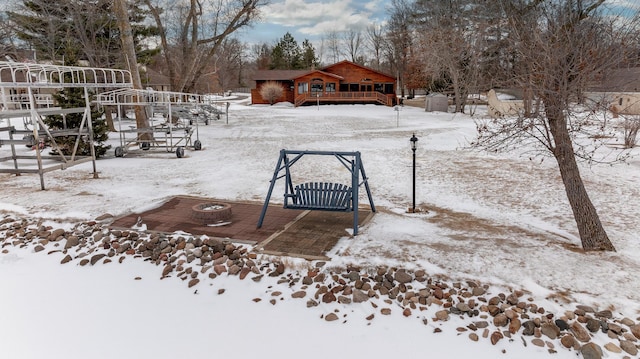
313	18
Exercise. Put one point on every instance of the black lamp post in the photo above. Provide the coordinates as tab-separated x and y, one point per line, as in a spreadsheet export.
414	141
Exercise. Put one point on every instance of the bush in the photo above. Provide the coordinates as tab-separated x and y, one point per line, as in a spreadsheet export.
271	92
631	127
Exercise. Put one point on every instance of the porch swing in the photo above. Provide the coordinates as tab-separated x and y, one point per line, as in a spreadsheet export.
322	196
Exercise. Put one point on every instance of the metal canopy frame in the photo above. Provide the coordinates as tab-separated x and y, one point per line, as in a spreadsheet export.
33	78
169	134
352	162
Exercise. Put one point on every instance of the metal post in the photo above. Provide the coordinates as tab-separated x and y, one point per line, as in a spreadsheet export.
413	140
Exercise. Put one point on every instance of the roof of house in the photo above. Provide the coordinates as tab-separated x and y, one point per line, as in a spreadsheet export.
620	80
278	75
282	75
357	65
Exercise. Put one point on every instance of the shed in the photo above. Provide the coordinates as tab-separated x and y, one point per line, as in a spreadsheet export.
436	102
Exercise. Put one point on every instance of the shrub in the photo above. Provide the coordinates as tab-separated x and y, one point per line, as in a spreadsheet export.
631	127
271	91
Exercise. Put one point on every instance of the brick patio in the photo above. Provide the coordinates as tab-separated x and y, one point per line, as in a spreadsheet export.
306	234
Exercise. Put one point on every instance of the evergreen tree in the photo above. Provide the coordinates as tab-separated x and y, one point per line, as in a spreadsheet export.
309	58
71	30
73	97
286	55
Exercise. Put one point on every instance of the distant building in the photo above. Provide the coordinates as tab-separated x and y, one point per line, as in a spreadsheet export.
343	82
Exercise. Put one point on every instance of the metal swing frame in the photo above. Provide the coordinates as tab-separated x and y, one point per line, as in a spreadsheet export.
320	195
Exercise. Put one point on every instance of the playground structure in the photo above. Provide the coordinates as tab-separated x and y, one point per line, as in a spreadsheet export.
323	196
26	92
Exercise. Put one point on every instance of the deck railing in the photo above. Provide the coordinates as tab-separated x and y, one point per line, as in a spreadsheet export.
366	96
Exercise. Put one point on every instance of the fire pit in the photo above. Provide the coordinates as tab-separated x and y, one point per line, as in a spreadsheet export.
213	213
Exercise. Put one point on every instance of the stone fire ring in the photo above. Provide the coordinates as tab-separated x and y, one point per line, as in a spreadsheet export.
211	212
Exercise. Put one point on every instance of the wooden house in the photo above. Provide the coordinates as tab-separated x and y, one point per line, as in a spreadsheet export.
343	82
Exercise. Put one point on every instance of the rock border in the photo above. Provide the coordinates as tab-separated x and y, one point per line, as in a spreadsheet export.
494	317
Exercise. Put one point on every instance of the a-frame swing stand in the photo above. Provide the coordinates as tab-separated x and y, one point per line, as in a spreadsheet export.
323	196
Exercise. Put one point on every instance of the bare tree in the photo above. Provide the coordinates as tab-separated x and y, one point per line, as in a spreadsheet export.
374	41
562	46
7	45
450	34
230	66
353	45
332	44
398	40
192	32
128	47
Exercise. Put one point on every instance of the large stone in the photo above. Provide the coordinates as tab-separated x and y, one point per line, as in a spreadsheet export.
591	351
593	325
563	325
580	332
629	347
612	348
66	259
463	307
537	342
403	277
442	315
328	297
331	317
72	241
635	330
56	234
495	337
167	269
567	341
219	269
359	296
500	320
604	314
514	325
550	330
529	327
95	258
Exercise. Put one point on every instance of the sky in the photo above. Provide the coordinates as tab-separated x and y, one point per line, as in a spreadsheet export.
500	219
309	19
313	19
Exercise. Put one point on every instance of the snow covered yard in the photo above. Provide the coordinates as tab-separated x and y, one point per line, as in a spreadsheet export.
501	220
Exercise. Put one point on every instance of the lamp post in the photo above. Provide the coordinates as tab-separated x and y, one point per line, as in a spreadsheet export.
414	141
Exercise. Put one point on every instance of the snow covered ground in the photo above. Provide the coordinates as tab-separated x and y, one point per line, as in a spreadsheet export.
500	219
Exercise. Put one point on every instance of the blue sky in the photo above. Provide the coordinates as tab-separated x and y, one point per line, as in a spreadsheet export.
311	19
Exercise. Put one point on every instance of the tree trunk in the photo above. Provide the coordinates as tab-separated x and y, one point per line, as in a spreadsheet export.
592	233
126	36
108	115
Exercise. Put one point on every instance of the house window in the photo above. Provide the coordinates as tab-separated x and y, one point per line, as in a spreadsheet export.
378	88
303	87
344	87
354	87
316	87
388	88
330	87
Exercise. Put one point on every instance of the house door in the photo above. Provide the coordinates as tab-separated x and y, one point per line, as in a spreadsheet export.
317	87
366	87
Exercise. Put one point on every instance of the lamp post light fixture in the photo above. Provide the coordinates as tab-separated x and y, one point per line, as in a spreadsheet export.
414	141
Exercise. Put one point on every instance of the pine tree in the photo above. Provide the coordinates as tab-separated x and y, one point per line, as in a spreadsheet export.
68	30
286	55
309	58
73	97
